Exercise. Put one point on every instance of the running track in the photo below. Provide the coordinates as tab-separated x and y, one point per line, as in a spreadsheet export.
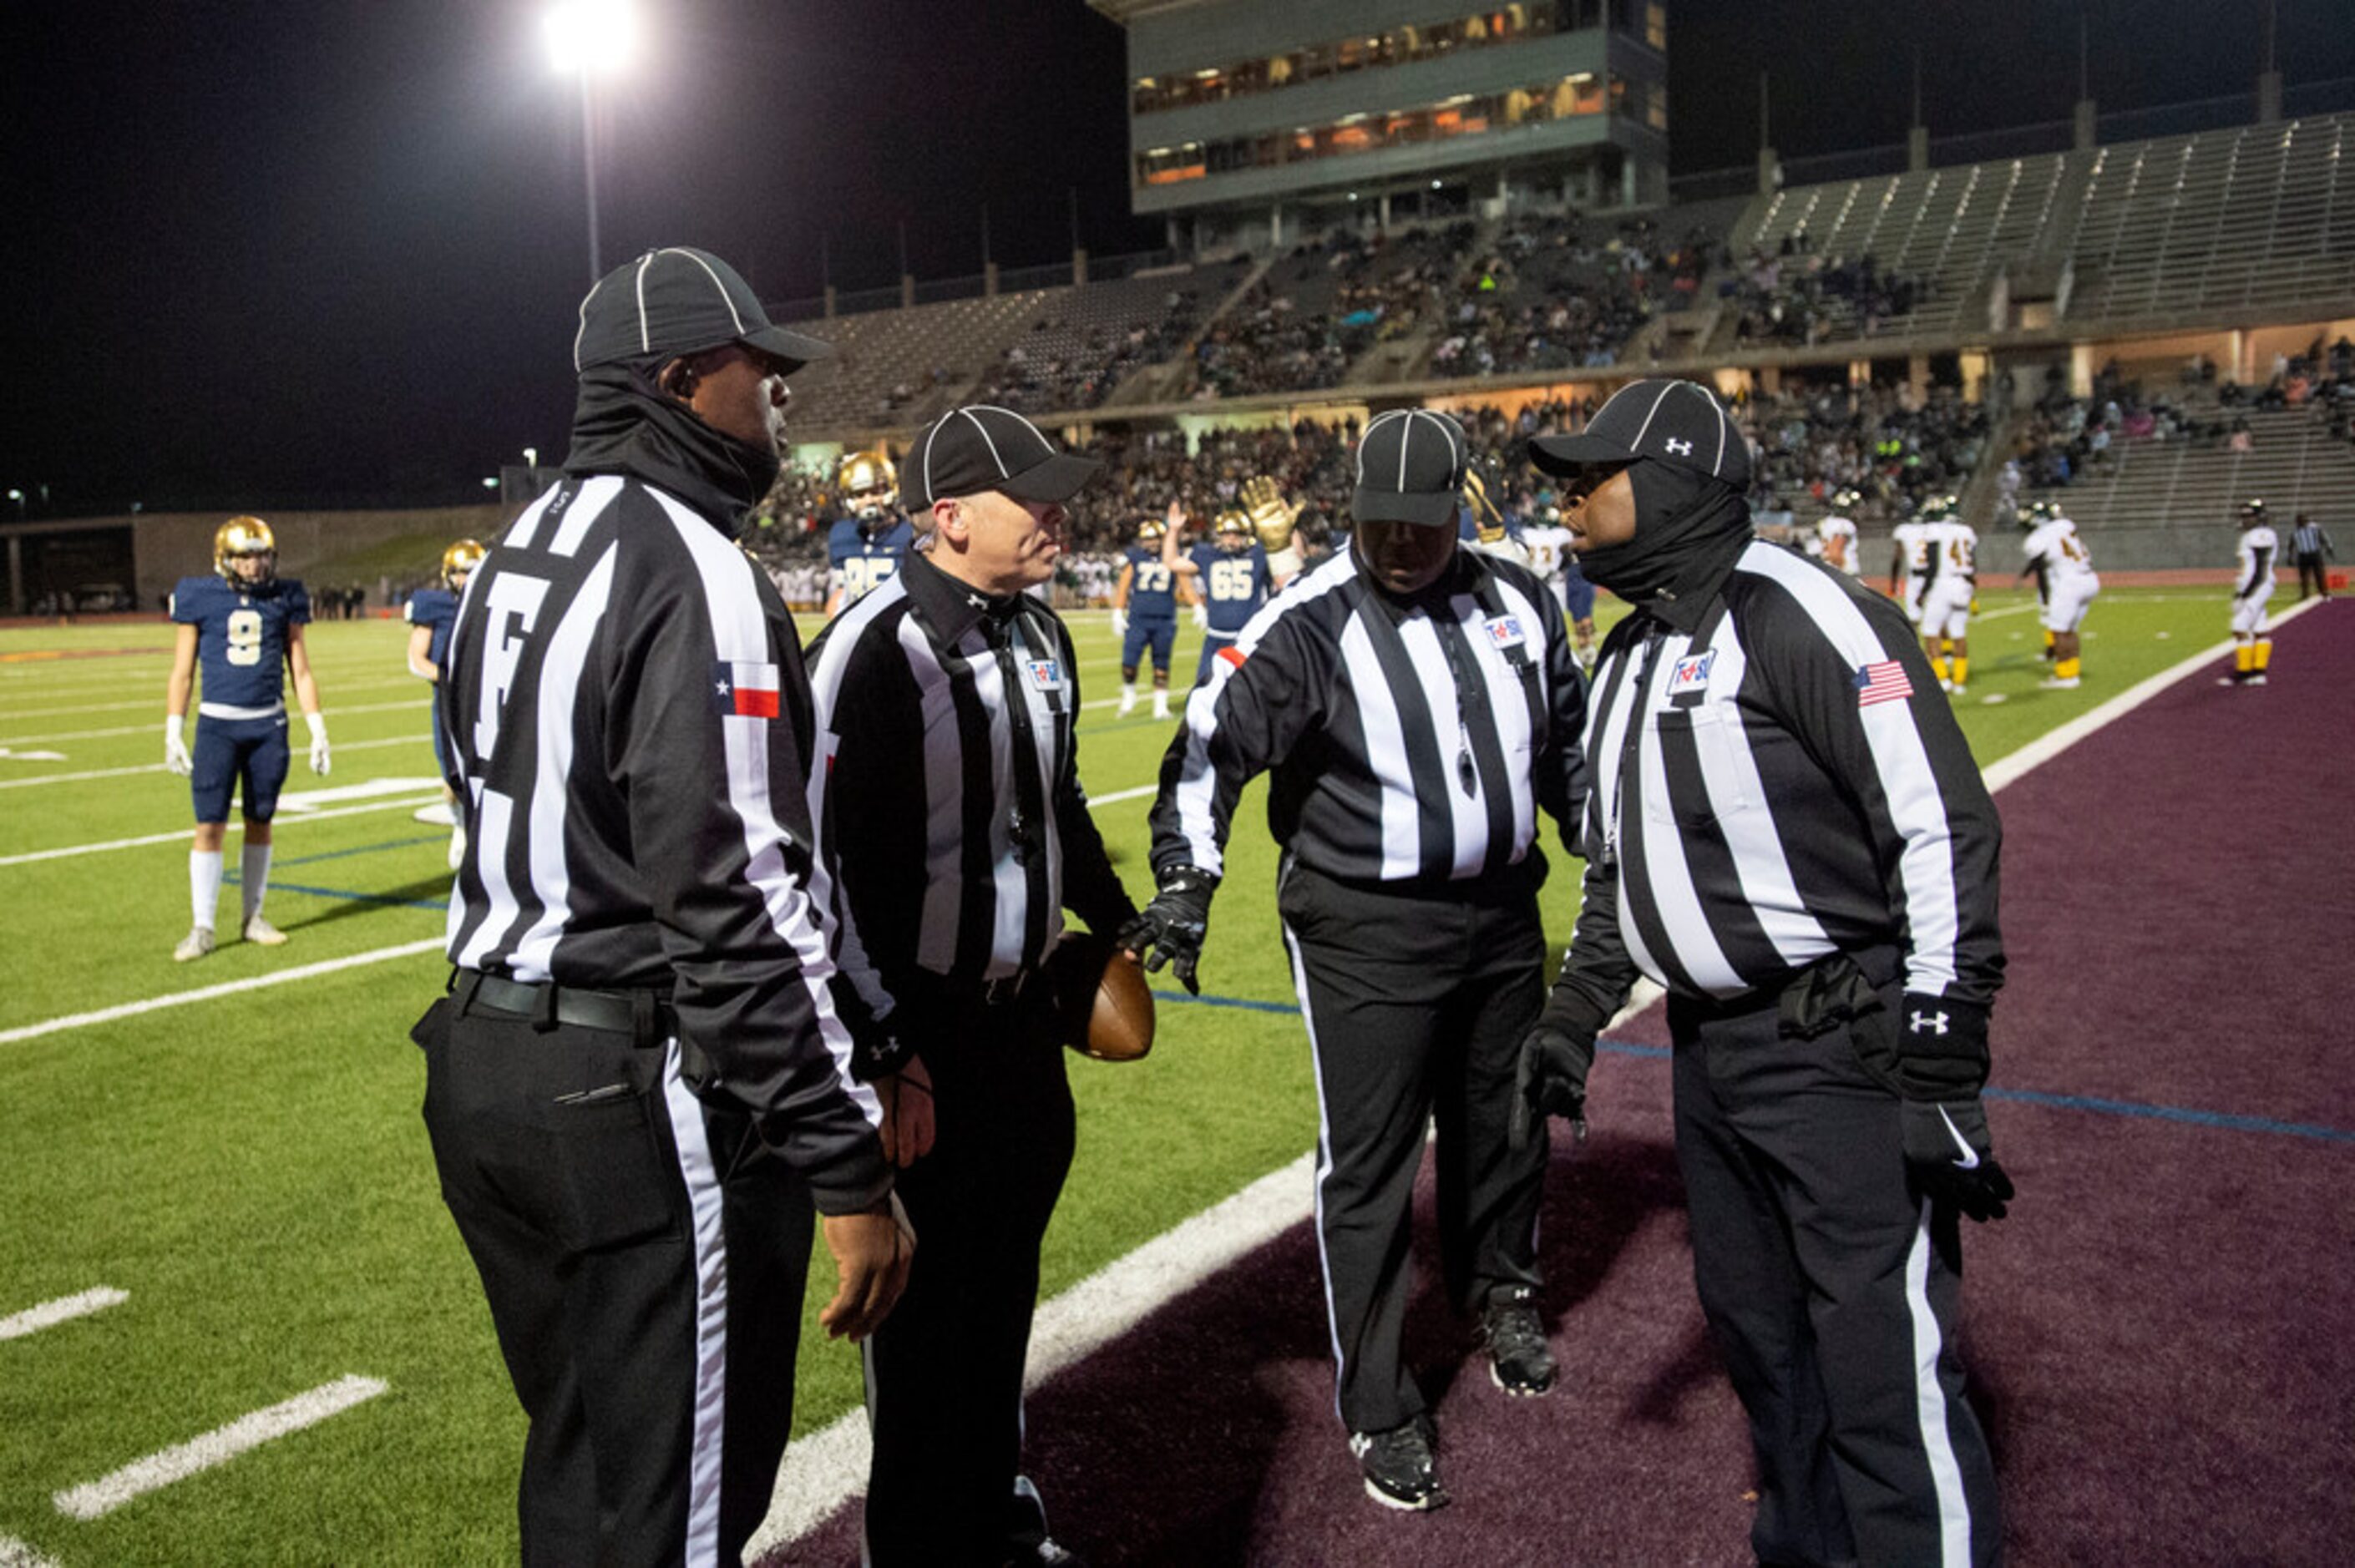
2162	1334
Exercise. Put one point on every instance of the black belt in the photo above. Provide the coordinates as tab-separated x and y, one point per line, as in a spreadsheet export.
646	1016
1003	992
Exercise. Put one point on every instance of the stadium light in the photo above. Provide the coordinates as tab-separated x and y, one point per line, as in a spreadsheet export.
531	457
591	38
490	482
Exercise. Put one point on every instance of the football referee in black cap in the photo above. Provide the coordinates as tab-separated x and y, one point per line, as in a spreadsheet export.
638	1083
1787	832
1418	705
951	818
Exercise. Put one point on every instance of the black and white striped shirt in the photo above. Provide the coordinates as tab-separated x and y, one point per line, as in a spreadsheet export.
2308	540
629	720
946	790
1778	778
1412	741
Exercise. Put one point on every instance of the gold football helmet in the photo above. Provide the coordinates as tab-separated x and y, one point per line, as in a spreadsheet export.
245	538
869	483
1232	530
1149	532
459	561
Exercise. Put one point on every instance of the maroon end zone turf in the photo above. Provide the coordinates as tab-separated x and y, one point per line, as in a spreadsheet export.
2162	1335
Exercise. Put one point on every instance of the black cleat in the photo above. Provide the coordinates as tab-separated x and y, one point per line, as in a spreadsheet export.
1518	1361
1401	1471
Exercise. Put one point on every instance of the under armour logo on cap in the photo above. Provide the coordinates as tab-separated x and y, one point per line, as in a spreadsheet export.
1680	422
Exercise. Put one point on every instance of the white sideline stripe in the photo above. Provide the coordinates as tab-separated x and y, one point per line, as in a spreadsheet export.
180	835
340	748
2053	743
226	987
828	1467
1119	795
365	789
15	1553
338	712
64	1310
104	1496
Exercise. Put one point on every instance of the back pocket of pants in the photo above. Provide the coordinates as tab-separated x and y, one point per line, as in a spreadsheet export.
623	1184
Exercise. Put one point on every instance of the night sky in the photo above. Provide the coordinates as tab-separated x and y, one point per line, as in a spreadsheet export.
318	253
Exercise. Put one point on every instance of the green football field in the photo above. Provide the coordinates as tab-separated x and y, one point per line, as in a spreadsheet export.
250	1170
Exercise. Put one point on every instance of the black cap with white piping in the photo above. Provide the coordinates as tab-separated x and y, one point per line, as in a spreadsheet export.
679	300
1679	422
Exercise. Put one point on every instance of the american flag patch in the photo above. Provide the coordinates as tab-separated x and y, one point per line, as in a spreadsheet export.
1882	682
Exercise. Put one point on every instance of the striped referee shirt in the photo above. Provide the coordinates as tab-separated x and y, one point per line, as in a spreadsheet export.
1777	777
2308	539
1412	740
628	720
946	792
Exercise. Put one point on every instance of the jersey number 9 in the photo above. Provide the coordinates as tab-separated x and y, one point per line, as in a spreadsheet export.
245	637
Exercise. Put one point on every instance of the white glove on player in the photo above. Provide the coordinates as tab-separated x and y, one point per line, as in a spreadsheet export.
176	750
1202	615
319	759
1120	623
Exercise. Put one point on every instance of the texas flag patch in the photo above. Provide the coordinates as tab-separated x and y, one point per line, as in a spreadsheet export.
1883	681
1691	673
1047	674
745	689
1504	631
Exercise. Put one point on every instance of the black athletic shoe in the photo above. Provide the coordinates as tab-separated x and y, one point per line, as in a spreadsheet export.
1518	1361
1401	1471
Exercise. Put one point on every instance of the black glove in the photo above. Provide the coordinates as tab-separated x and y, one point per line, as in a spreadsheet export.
1170	930
1549	1077
1947	1149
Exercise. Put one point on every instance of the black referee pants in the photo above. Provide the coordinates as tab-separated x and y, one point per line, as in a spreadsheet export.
645	1261
2311	569
1416	1003
1833	1292
945	1371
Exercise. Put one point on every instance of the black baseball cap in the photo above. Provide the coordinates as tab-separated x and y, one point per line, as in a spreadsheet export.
1410	465
1679	422
983	446
679	300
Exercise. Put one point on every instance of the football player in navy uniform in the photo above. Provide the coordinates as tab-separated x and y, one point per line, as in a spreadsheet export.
1145	615
244	626
866	547
1231	577
430	613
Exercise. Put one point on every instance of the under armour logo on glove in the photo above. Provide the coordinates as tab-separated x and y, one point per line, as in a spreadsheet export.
1929	1023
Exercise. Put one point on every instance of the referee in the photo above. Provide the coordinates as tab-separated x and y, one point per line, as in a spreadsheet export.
948	804
1788	833
2313	548
1417	704
635	1087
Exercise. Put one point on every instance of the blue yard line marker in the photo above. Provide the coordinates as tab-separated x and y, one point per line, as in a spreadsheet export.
2225	1119
363	849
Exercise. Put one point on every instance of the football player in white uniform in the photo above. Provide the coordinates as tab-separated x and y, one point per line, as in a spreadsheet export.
1835	536
1947	602
1909	563
2065	585
2253	584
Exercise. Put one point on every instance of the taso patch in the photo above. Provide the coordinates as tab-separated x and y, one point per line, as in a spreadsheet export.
1691	673
1504	631
1047	674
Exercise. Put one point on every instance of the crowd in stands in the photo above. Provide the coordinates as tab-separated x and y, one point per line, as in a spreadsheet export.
1074	374
1376	286
1792	295
1550	295
1875	440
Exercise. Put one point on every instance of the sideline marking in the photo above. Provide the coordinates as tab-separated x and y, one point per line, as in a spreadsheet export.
102	1497
150	703
340	748
149	728
226	987
64	1310
180	835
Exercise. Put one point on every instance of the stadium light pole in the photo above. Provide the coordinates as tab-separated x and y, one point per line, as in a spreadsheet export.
591	39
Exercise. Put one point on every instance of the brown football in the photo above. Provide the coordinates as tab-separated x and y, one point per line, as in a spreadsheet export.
1119	1024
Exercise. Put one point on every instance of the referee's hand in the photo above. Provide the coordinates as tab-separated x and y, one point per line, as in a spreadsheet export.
872	1252
908	1125
1550	1079
1170	930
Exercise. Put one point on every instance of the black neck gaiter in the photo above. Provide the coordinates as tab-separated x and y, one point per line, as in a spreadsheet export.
1688	529
622	424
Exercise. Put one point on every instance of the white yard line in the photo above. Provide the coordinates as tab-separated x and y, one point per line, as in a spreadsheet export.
336	712
104	1496
340	748
226	987
64	1310
237	825
326	682
1117	796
